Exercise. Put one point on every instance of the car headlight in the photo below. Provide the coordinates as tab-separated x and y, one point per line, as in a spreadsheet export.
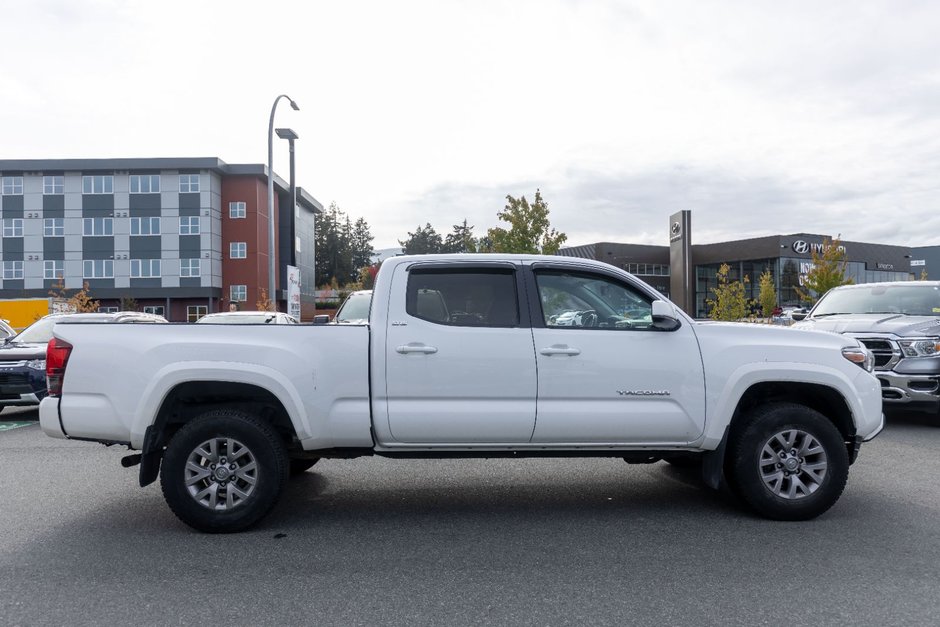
861	356
36	364
921	348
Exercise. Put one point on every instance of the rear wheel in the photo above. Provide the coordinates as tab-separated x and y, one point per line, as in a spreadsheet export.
789	462
223	471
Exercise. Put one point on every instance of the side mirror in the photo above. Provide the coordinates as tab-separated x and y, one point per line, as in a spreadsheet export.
799	315
664	316
321	319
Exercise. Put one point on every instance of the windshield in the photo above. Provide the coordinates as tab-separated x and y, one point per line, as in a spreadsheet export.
917	300
38	332
239	319
356	307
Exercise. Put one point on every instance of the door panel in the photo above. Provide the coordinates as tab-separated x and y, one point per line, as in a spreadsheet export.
605	375
460	368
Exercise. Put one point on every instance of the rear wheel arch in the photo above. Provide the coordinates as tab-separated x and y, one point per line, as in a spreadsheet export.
188	400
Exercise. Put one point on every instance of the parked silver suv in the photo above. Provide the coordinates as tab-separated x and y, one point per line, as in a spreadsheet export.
899	323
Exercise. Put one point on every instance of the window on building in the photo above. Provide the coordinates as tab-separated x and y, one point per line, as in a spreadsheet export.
94	227
189	183
190	267
11	185
157	310
237	209
53	185
98	269
13	227
238	250
189	225
53	269
98	184
467	298
145	226
145	268
53	227
238	293
195	312
108	310
12	270
145	183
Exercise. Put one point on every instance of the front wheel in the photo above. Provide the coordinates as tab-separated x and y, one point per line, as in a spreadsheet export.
223	471
789	462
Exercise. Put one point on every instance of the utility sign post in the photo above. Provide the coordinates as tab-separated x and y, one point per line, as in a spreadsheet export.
293	291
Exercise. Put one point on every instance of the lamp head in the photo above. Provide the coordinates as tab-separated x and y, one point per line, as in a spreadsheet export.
286	133
293	105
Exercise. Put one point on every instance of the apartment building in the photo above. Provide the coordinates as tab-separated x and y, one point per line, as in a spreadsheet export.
181	237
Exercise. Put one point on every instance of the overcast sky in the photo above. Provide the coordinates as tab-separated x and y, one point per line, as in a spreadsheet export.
760	117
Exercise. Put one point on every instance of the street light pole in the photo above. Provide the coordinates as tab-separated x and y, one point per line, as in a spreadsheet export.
271	252
290	136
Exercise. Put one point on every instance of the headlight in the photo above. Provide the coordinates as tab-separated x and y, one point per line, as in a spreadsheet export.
921	348
861	356
36	364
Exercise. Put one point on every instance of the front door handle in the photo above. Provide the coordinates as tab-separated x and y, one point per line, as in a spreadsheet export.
560	349
416	347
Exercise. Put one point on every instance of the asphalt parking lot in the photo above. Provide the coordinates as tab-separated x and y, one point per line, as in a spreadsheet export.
541	542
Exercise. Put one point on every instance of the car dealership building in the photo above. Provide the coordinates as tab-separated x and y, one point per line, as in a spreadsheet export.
687	272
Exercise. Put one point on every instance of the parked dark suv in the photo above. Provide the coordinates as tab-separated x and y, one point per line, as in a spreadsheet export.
23	356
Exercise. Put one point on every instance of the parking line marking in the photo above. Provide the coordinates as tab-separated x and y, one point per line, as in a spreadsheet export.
8	425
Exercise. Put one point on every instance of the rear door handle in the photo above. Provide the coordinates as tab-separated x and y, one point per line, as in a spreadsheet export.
560	349
416	347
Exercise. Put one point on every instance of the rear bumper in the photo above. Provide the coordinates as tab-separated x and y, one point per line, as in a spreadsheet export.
49	419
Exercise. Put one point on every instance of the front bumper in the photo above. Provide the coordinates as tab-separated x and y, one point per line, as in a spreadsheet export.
910	391
21	385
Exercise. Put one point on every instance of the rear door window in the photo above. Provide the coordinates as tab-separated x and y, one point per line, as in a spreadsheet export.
471	297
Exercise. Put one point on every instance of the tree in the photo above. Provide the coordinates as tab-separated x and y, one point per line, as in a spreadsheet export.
460	240
923	274
827	272
730	302
264	303
82	301
423	241
367	276
128	303
529	228
768	293
343	247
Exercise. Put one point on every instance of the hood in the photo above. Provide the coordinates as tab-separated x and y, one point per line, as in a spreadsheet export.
896	324
16	352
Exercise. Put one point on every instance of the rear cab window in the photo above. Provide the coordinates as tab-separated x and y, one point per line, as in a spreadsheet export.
471	297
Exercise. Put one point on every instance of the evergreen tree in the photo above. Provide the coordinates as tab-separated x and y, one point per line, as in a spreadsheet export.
768	294
424	241
460	240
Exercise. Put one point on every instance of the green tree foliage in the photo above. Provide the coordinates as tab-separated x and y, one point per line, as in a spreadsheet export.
342	247
529	228
367	276
923	274
768	293
424	241
730	302
460	240
828	271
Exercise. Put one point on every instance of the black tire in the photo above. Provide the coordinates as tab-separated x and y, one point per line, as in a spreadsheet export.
762	482
269	472
299	466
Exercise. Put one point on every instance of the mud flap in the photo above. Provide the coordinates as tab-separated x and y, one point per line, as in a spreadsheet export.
150	457
713	464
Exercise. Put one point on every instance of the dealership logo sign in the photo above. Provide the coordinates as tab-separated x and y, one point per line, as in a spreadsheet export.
675	232
800	247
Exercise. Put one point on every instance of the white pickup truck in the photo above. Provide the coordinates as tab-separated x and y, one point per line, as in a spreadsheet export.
470	356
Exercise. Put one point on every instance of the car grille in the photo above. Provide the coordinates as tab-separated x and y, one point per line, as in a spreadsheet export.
13	378
885	352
